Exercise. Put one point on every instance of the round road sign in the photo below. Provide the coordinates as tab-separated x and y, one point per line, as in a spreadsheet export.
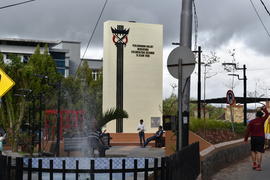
230	98
188	62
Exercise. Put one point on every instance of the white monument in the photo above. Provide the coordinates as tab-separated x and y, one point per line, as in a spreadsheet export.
142	74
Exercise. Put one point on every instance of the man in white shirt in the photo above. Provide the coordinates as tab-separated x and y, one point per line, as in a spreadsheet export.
141	130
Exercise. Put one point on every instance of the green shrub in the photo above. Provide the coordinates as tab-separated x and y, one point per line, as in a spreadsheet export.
211	124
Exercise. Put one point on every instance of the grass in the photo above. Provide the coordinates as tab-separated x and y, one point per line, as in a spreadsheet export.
211	124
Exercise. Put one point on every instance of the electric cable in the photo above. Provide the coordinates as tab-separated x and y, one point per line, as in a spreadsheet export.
265	7
16	4
91	37
257	13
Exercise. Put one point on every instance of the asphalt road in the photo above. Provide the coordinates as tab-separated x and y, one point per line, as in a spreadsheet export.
243	171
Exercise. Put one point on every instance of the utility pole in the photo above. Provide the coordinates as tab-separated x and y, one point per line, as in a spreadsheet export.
199	51
245	94
40	122
185	40
58	120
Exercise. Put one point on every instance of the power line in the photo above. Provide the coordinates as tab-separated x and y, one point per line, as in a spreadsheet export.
257	13
16	4
265	7
91	37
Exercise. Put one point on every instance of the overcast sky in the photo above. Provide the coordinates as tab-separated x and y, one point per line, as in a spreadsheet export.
223	26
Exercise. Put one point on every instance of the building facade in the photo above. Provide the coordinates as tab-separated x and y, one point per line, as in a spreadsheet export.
142	73
65	53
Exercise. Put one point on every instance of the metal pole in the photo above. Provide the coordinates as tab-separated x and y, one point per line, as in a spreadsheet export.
245	94
33	120
185	40
58	120
40	119
179	143
199	82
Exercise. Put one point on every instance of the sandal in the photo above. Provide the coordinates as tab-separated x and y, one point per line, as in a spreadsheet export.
258	168
254	166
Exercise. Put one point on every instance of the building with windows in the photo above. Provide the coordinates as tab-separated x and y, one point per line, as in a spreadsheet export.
96	66
65	53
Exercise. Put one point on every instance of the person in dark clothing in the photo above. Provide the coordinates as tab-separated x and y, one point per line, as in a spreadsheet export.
255	129
157	135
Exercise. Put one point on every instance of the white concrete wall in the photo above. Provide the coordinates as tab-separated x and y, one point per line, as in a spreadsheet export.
142	75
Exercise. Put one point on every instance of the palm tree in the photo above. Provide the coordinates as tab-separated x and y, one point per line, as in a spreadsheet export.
111	114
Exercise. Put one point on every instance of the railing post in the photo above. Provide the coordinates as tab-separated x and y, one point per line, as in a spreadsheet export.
111	167
19	168
8	170
155	168
40	169
92	175
51	169
29	169
163	168
2	166
123	168
135	168
64	170
146	169
77	169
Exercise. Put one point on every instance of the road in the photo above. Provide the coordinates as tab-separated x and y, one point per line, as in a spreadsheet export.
243	171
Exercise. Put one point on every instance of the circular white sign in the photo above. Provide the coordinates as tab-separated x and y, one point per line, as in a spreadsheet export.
188	62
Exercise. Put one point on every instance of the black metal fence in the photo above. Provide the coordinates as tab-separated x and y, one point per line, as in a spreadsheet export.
182	165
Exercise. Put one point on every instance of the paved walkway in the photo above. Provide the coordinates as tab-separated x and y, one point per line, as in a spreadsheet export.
135	151
243	171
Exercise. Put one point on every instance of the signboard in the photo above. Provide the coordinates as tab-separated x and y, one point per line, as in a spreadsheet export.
6	83
155	122
230	98
188	62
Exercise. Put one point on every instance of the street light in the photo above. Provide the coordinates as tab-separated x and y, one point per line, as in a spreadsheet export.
244	86
43	78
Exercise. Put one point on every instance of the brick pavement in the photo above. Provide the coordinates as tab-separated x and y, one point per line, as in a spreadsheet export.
242	170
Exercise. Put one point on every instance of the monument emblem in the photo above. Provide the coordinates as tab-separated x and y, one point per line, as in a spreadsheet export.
120	35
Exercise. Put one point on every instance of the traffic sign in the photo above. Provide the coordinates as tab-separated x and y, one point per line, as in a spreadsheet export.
230	98
188	62
6	83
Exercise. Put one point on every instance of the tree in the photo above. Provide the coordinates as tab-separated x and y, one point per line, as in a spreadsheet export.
111	114
84	93
170	105
12	112
13	108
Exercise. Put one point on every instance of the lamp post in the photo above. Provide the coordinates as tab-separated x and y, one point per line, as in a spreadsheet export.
43	78
244	86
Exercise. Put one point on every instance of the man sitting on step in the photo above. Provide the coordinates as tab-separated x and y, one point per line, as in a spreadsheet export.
157	135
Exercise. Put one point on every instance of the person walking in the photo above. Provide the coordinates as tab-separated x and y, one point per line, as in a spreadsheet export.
255	129
267	133
2	138
141	130
157	135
